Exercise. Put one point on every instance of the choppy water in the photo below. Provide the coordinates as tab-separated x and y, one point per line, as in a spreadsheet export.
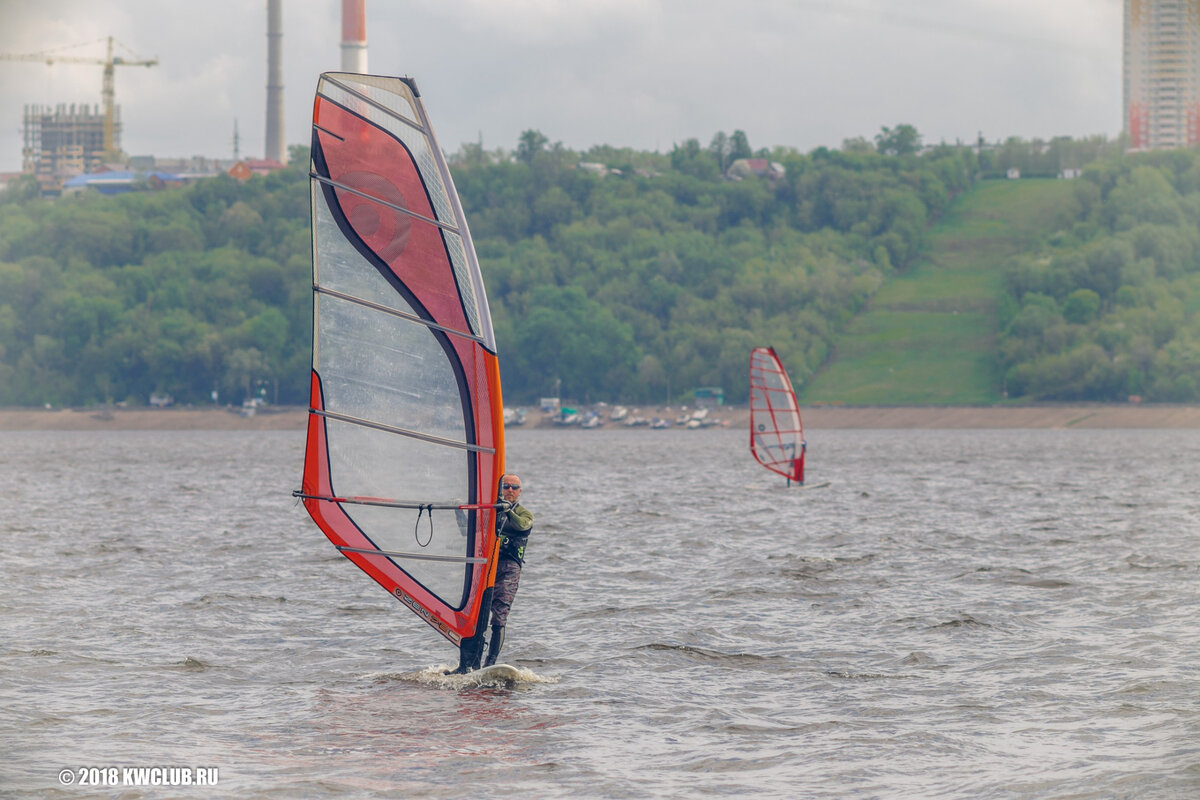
959	614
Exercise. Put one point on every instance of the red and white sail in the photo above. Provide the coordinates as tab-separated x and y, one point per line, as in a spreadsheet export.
776	433
405	430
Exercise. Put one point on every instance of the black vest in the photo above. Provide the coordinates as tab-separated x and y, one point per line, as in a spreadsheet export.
512	543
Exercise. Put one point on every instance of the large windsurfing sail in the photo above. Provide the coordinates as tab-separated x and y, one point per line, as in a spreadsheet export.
776	434
405	428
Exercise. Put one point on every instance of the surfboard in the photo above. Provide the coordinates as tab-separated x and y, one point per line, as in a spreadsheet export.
497	673
758	487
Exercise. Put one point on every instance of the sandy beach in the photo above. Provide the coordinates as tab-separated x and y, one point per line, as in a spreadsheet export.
815	418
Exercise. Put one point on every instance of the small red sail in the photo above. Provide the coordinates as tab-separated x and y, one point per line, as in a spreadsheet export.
405	430
776	433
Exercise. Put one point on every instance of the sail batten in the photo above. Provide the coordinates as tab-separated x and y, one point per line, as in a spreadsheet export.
361	96
414	556
379	426
405	431
403	315
372	198
327	133
380	501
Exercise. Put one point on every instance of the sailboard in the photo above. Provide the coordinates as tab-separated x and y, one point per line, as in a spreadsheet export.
497	673
405	444
776	432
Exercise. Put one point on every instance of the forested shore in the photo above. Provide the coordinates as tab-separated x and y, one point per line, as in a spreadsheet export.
615	274
1094	416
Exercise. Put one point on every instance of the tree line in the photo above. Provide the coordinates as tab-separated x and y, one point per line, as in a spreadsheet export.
184	292
1109	307
636	279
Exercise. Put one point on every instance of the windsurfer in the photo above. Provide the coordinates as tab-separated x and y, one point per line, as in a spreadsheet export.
513	525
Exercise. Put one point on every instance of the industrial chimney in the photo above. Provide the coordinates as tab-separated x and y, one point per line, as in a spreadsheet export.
276	137
354	36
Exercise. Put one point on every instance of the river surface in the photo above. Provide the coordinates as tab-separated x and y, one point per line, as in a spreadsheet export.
958	614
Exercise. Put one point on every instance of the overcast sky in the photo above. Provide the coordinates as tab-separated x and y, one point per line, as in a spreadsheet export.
640	73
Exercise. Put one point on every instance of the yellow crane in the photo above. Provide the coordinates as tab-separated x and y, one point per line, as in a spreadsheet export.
109	62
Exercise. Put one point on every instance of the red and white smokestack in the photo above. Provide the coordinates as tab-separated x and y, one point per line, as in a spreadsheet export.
354	36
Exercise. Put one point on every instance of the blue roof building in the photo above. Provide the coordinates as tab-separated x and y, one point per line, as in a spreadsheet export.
119	182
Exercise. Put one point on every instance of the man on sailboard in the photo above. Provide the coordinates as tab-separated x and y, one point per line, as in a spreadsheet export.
798	466
513	526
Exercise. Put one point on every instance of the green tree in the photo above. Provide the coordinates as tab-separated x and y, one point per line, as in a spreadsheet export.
722	150
530	145
857	145
903	140
691	160
569	337
739	146
1081	306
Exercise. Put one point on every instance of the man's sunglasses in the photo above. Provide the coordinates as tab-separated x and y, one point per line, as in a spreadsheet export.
510	486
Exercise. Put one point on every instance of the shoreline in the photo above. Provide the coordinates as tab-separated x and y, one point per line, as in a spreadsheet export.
1081	415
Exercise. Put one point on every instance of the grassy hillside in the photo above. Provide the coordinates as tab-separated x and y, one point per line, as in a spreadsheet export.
929	334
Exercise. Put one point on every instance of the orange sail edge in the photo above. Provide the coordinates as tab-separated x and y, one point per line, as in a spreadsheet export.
496	398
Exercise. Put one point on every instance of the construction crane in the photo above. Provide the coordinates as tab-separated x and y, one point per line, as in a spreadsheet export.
109	62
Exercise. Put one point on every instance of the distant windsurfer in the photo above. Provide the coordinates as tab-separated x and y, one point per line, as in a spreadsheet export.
513	525
798	466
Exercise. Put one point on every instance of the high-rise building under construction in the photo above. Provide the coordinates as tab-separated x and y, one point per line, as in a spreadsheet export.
64	141
1162	73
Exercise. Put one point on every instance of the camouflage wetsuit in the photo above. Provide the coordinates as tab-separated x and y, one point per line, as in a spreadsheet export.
513	529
